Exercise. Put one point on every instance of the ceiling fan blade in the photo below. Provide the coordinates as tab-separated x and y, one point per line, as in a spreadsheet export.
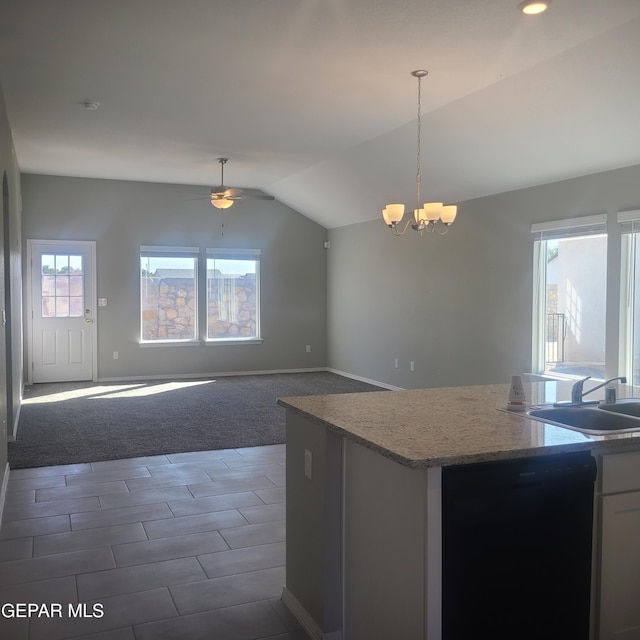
221	192
253	196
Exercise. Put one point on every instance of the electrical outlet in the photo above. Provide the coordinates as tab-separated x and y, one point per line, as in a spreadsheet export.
308	348
395	363
412	366
116	355
308	463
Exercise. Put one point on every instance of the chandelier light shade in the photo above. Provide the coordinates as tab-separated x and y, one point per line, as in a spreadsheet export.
393	213
448	214
432	217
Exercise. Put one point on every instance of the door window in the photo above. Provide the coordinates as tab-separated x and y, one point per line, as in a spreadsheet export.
62	286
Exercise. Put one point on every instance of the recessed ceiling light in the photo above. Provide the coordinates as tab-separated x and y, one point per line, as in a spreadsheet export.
533	7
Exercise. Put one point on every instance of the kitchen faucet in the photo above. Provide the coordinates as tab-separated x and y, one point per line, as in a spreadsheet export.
577	394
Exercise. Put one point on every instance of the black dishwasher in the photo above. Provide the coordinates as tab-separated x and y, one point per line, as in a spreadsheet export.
516	548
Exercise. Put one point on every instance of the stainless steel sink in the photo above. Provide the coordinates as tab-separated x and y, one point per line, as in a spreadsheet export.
629	407
591	419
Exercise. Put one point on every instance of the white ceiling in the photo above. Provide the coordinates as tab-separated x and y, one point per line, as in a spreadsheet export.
313	101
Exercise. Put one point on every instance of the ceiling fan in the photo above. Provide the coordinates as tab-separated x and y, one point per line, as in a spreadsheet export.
223	197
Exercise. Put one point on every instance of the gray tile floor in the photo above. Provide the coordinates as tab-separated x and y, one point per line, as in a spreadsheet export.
190	545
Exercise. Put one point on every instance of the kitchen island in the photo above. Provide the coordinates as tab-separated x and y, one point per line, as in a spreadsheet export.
364	497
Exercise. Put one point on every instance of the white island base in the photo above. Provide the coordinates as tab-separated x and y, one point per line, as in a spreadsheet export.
382	519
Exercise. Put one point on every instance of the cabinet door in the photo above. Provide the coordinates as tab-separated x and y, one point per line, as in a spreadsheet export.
620	567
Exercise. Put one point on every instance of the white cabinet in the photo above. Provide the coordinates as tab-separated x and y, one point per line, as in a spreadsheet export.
619	547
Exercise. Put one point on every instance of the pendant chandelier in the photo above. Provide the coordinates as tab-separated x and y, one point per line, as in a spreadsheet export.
432	217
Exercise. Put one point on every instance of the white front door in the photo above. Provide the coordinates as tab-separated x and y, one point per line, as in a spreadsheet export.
62	310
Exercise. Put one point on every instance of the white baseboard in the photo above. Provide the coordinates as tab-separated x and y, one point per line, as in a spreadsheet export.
376	383
306	621
3	490
199	376
220	374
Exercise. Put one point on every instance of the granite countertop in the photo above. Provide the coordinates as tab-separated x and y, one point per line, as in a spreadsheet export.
453	425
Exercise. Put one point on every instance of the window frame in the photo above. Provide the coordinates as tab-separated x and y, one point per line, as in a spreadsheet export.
170	252
629	224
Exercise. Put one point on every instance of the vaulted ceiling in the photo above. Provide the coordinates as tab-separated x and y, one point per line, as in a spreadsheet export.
313	101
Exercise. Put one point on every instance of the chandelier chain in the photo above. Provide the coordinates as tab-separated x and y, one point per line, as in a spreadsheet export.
418	156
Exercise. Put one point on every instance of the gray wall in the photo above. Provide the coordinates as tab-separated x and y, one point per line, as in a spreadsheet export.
10	260
458	306
121	216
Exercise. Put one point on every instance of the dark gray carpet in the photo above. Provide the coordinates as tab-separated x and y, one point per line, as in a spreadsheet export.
67	423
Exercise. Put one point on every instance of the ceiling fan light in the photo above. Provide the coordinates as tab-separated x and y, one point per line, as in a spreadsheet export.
432	210
221	203
533	8
448	214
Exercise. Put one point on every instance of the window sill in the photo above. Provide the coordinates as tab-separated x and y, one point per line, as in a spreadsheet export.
169	343
228	341
195	343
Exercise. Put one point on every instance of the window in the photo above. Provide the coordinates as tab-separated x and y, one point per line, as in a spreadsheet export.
570	273
233	295
168	294
62	279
